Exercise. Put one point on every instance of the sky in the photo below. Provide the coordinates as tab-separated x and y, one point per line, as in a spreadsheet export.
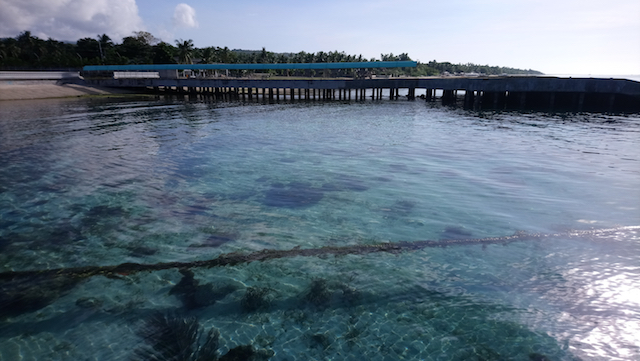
586	37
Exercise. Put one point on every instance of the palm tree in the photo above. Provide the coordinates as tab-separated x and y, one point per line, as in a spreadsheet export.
104	44
207	56
185	51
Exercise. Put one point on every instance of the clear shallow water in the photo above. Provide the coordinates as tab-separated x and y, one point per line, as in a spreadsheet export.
104	182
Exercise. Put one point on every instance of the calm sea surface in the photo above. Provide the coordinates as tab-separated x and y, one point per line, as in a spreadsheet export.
101	182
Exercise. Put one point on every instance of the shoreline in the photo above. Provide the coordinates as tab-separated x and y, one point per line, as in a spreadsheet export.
12	90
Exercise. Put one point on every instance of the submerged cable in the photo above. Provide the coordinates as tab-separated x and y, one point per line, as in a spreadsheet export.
234	258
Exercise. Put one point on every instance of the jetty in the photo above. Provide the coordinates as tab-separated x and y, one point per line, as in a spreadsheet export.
253	82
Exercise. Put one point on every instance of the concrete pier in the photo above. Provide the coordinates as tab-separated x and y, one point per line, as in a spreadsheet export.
520	93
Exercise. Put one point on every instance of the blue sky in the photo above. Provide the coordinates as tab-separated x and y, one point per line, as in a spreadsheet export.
555	37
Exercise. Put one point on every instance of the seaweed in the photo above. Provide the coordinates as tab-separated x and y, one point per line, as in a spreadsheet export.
235	258
256	298
318	293
174	338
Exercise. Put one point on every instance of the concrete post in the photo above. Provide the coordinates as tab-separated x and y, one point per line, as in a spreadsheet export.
580	102
468	99
612	100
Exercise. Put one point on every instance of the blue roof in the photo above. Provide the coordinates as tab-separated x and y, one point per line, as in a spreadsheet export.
280	66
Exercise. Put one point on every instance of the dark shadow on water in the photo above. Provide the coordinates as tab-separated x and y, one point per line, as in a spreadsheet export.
292	195
455	232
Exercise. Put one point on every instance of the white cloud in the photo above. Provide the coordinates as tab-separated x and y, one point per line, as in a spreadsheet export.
184	16
69	19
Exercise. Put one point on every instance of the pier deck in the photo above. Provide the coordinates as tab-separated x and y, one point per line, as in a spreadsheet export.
493	92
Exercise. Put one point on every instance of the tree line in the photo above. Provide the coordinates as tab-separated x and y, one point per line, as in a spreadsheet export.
30	52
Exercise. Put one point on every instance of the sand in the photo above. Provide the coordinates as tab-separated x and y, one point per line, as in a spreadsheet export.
23	90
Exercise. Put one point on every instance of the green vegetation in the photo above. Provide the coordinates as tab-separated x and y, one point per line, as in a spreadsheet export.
29	52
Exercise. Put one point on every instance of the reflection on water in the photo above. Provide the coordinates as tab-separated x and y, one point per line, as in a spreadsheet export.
103	182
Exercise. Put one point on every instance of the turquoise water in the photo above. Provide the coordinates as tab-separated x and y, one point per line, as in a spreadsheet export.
108	181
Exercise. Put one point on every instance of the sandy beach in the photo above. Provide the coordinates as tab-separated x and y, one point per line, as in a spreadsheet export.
45	89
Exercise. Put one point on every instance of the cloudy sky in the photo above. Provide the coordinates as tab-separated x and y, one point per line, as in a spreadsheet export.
554	36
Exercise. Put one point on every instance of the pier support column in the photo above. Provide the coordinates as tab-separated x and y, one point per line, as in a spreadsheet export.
580	102
448	97
477	101
430	95
523	100
468	99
